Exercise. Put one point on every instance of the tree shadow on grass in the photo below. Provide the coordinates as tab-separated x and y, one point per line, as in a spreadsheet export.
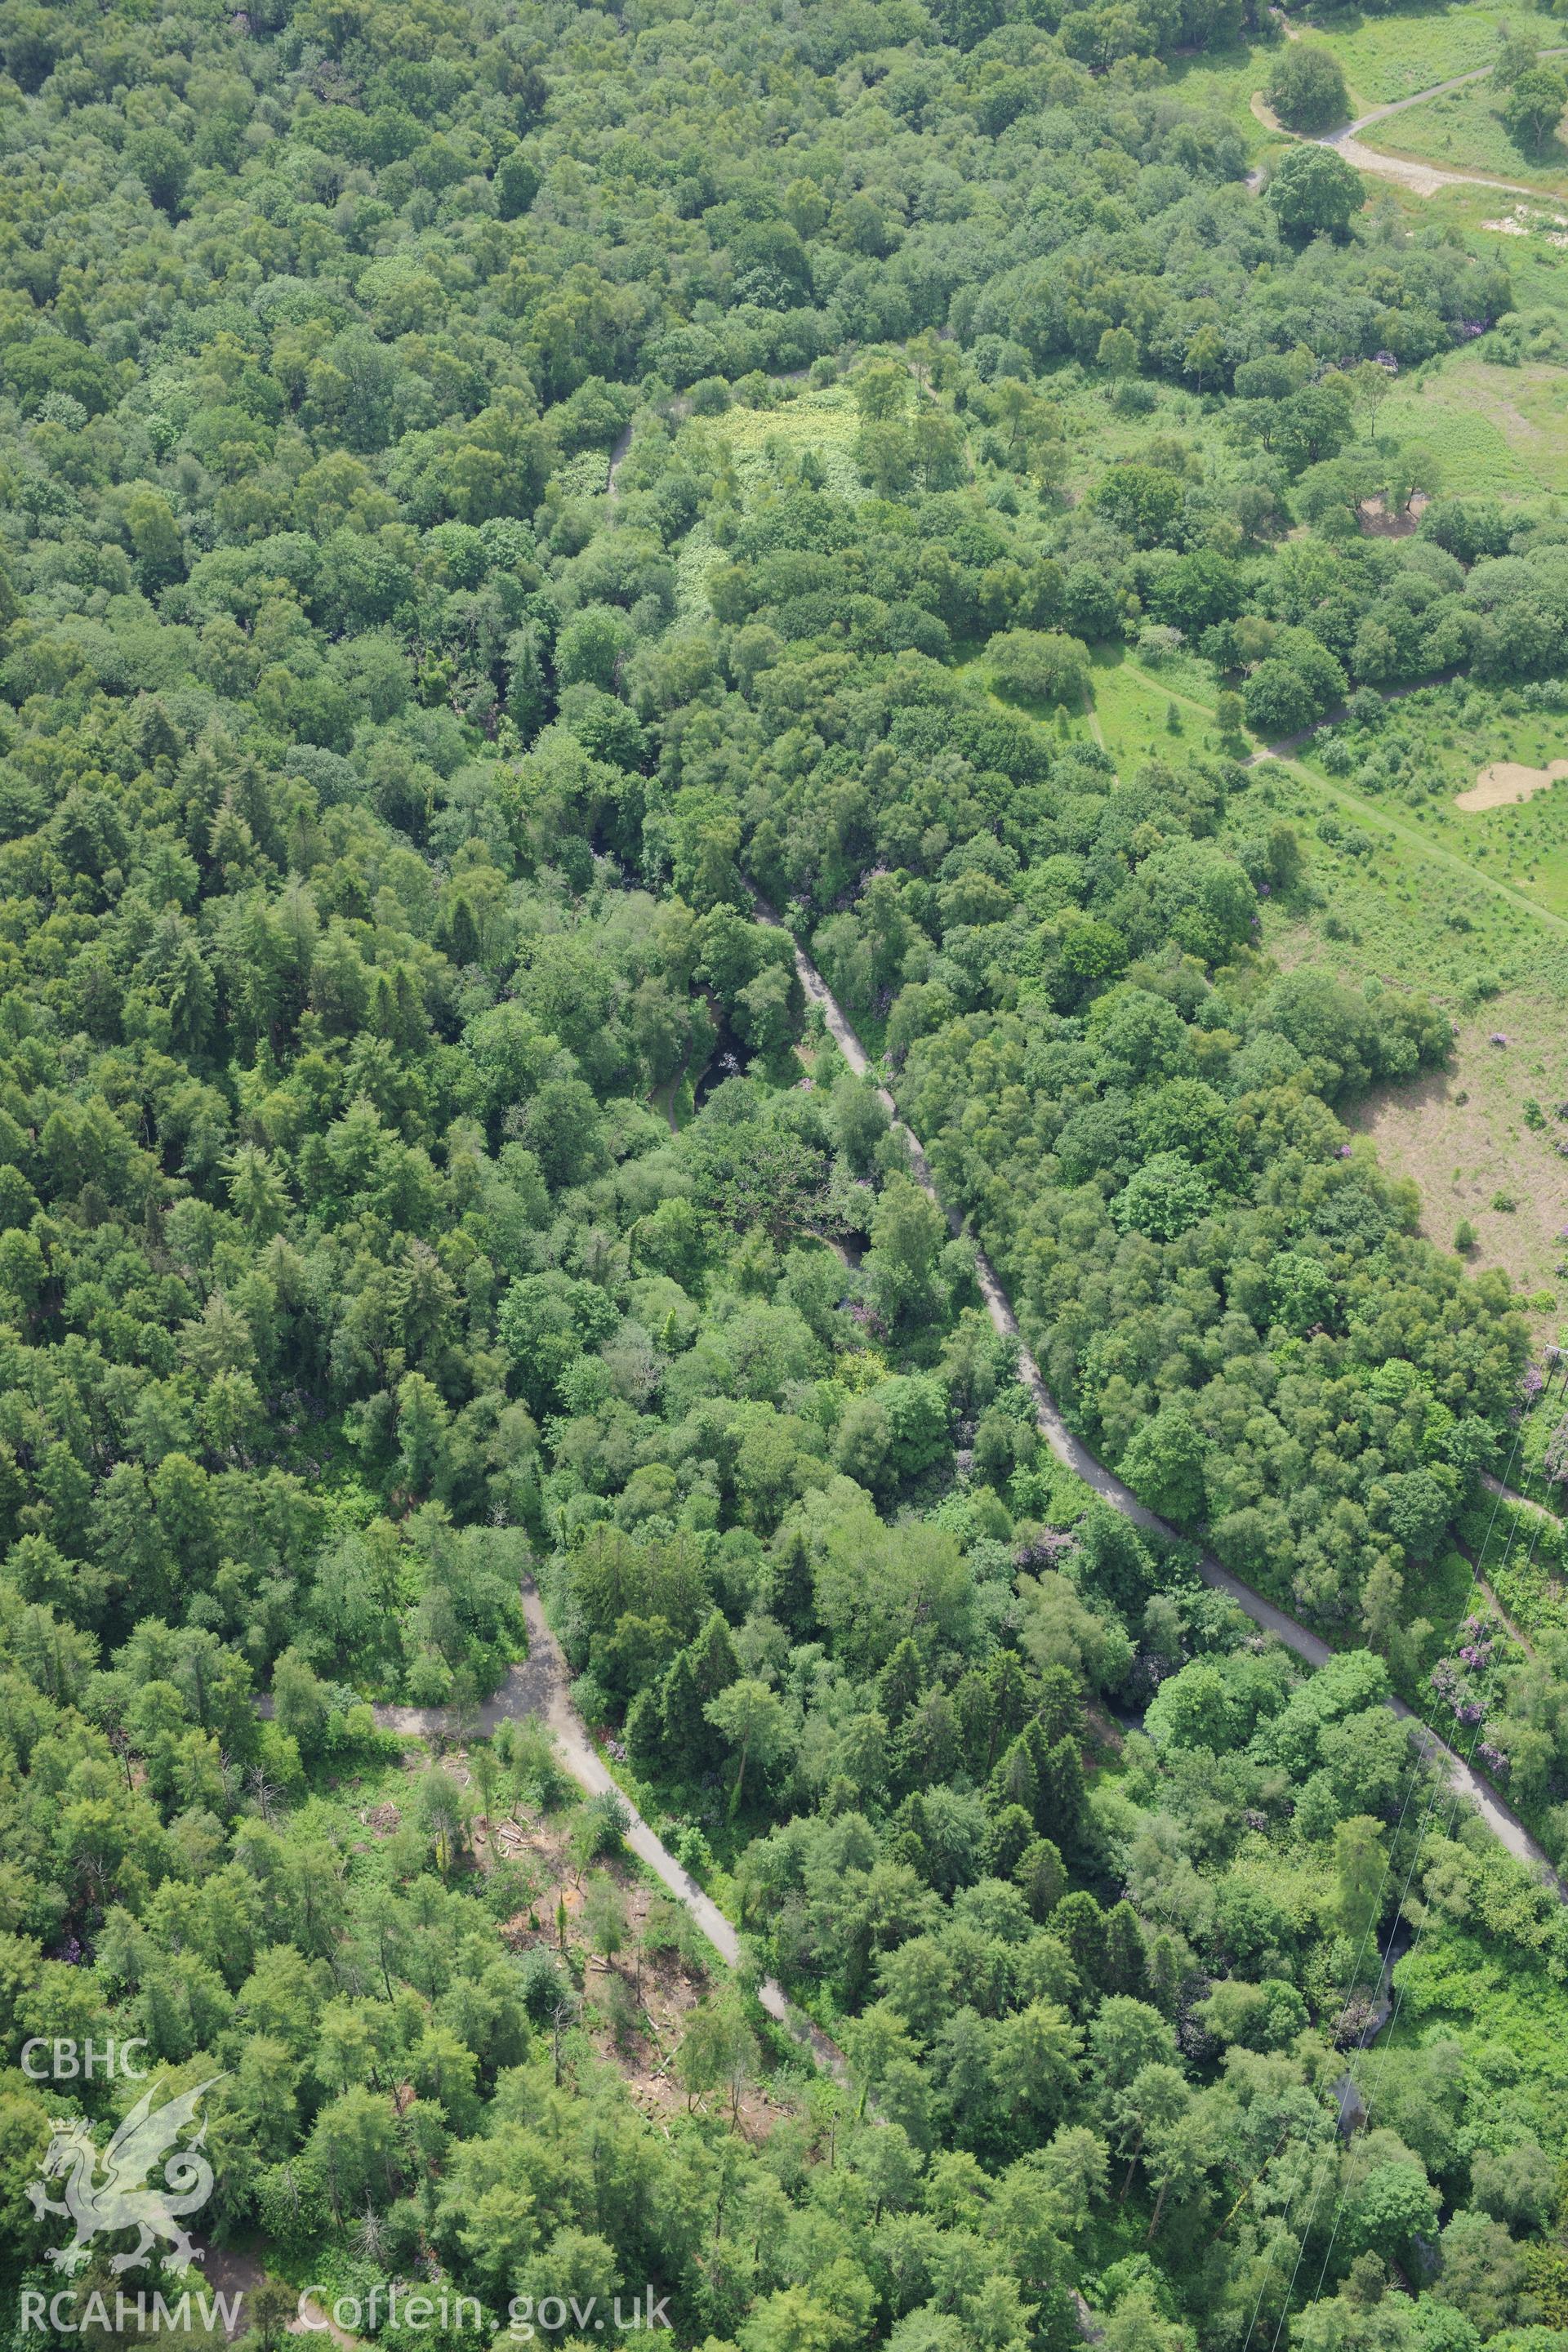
1325	17
1551	155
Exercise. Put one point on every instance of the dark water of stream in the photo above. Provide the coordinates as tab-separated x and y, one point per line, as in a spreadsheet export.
728	1060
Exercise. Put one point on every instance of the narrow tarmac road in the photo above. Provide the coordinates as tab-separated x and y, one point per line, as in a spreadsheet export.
1070	1450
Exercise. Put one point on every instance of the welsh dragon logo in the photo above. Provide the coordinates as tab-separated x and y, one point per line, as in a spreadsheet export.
121	2199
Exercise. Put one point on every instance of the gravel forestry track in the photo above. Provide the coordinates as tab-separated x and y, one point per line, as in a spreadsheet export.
1070	1450
539	1685
1421	179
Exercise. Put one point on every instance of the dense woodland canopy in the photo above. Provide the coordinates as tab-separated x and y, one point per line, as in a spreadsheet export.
409	1178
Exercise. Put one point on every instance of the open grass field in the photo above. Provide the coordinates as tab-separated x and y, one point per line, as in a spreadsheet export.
1415	913
1132	708
1464	131
1497	431
1223	82
1520	232
1462	1134
1516	232
1148	714
1393	56
697	555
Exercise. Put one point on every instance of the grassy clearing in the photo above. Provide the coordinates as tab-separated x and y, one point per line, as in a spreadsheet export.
1099	434
1529	1475
1221	82
1462	1134
1519	1553
1132	709
1404	912
1501	2000
1429	748
1465	132
1136	708
1067	725
698	554
1442	1591
1386	57
823	421
1498	430
1470	896
1537	267
1486	425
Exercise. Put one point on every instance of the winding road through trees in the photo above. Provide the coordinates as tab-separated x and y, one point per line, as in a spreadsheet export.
539	1685
1070	1450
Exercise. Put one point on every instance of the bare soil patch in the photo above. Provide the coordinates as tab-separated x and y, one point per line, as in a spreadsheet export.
1380	521
634	2007
1507	780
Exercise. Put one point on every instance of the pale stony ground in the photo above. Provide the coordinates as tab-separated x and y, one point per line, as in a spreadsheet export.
1507	780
